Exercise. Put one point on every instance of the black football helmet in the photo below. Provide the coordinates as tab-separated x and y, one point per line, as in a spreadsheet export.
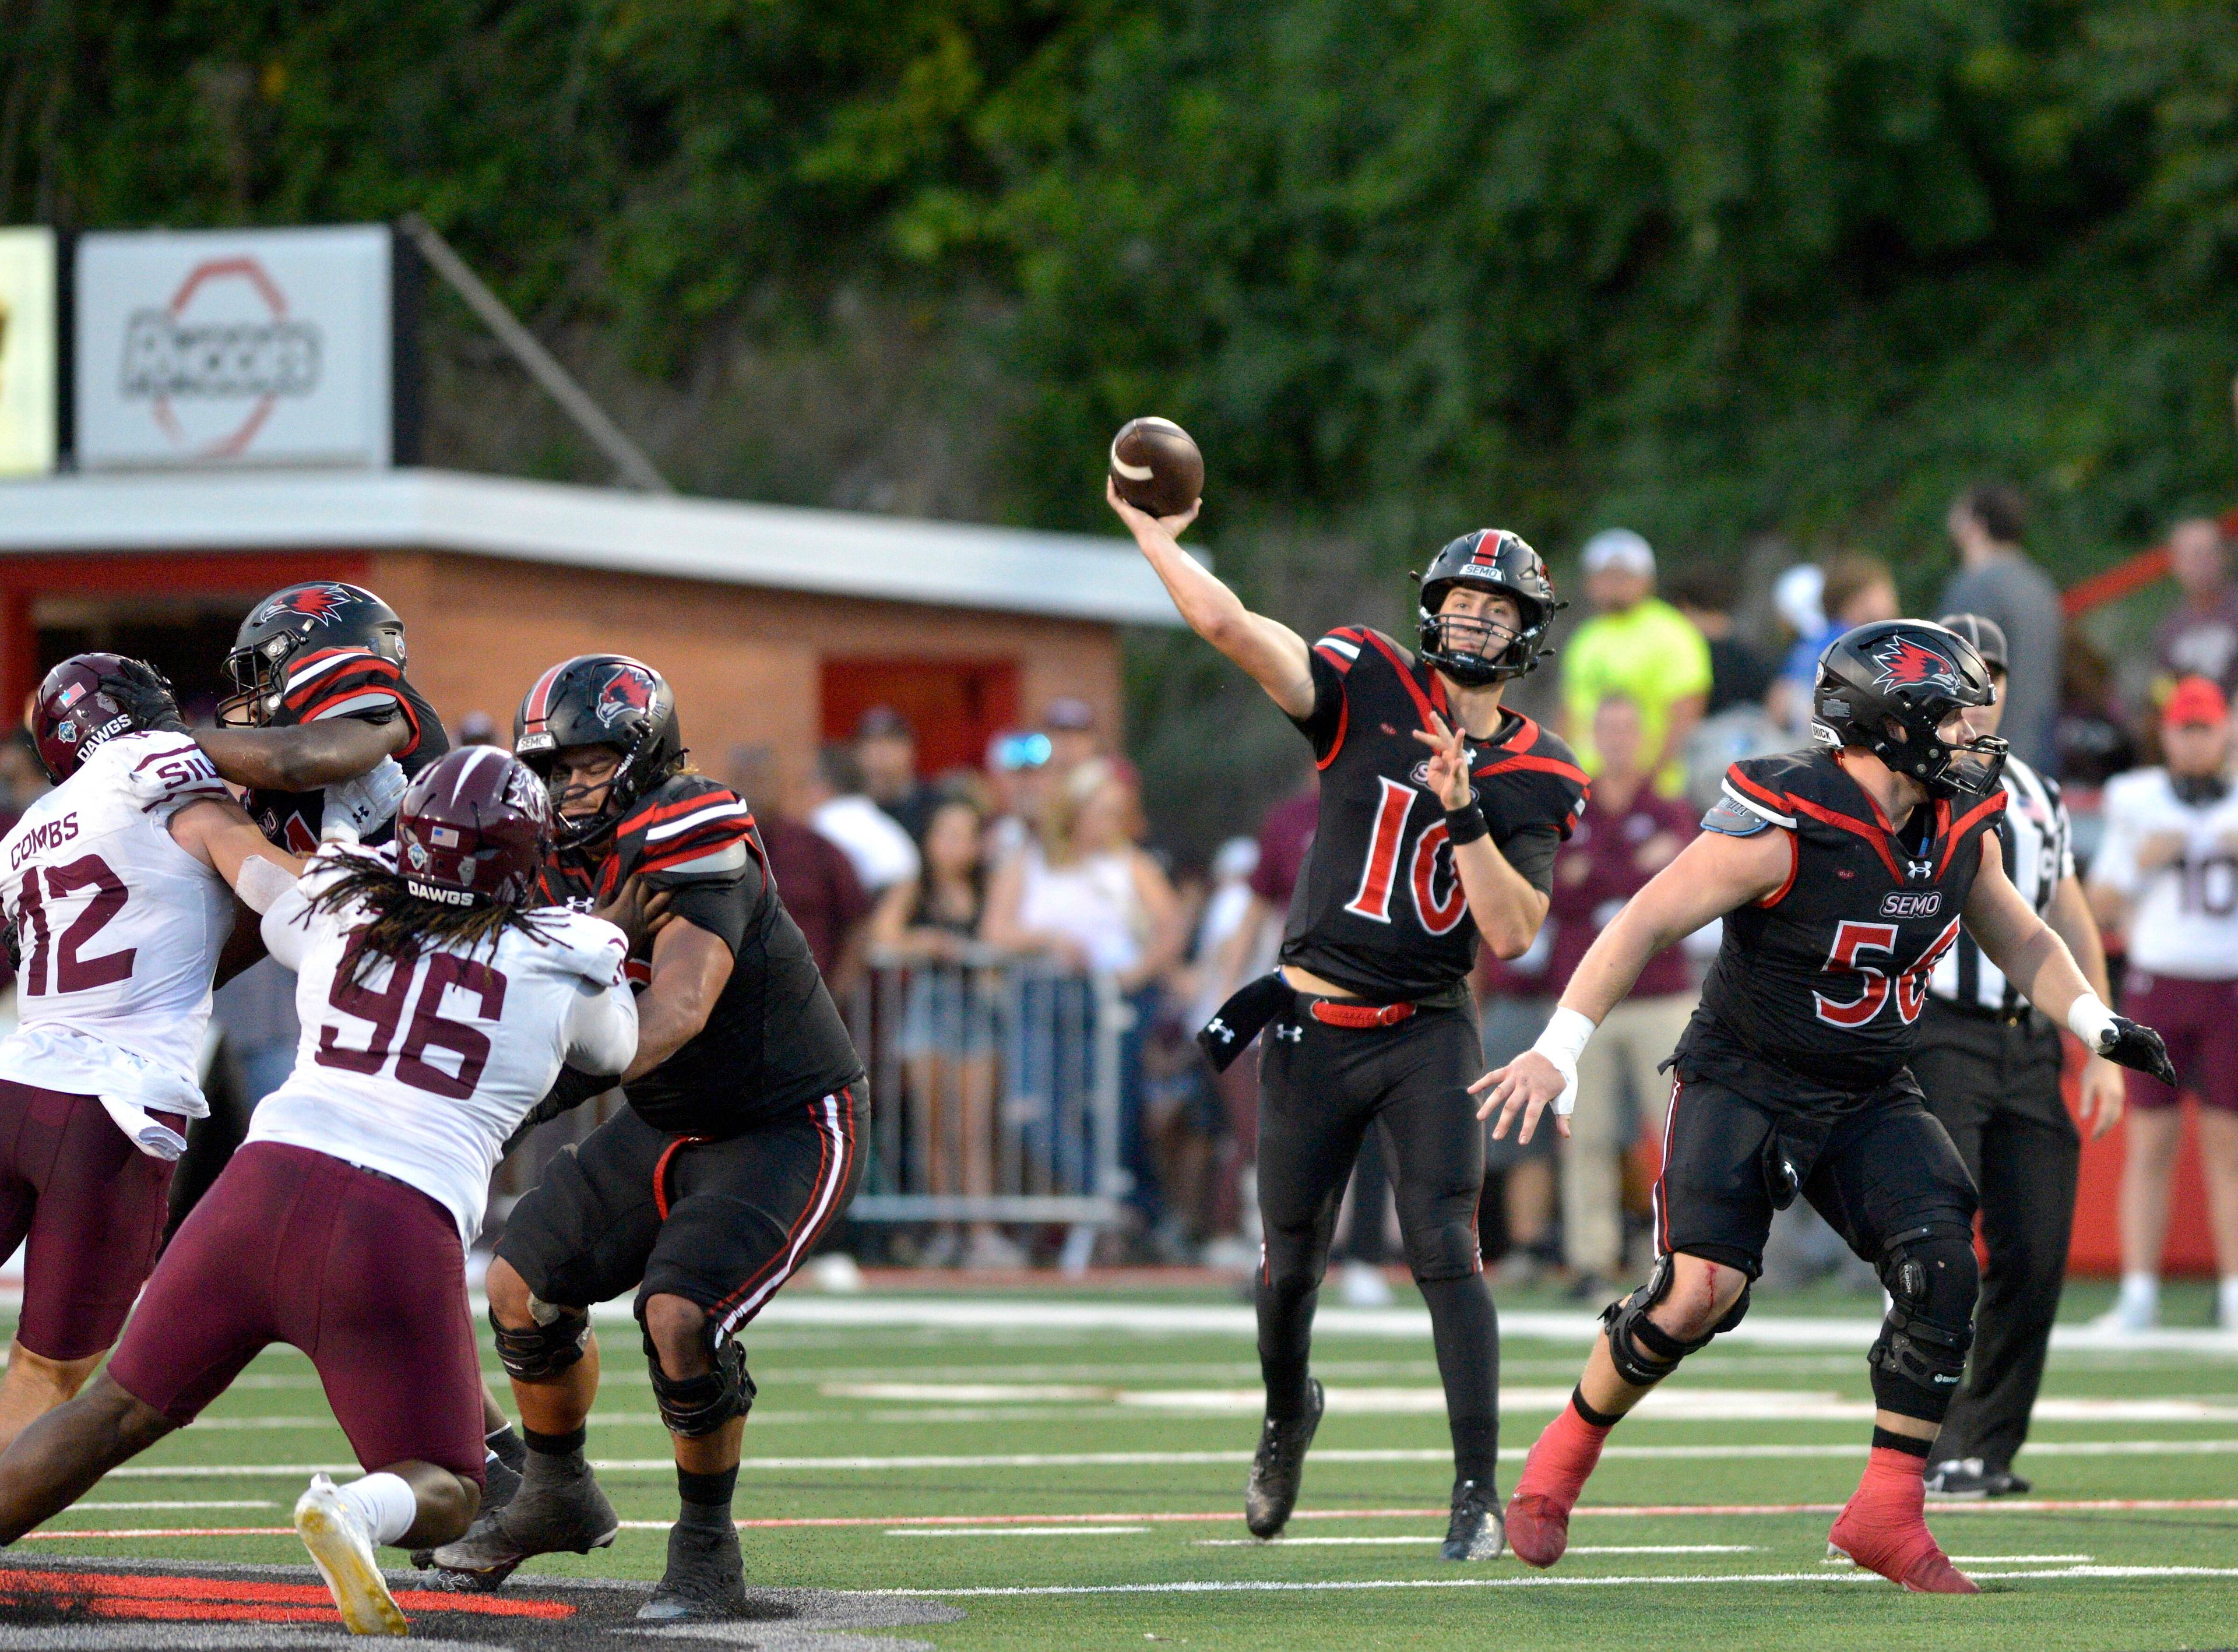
601	700
301	619
1473	652
1890	686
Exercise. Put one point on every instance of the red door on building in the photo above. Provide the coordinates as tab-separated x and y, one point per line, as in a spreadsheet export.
954	706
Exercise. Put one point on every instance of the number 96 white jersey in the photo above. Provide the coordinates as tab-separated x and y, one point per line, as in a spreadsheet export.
421	1072
119	928
2183	918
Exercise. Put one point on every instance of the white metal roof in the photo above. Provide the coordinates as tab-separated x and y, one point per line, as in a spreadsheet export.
949	564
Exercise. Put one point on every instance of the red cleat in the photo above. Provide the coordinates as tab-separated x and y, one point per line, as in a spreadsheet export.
1553	1475
1883	1529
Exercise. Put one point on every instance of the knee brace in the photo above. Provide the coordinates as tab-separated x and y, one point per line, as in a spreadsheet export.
698	1406
1445	1251
1931	1274
1643	1352
553	1343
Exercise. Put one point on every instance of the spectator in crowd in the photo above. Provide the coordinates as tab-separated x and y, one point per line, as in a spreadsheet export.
1739	674
1517	999
931	922
2168	874
1997	580
1085	894
1853	591
1627	836
478	729
23	782
1018	776
881	852
885	752
1637	646
814	877
2199	637
2093	734
1069	723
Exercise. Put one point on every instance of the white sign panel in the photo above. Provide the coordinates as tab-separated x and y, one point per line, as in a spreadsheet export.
234	347
27	351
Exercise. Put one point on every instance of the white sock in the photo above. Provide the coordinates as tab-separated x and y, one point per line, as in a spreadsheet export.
384	1502
2141	1288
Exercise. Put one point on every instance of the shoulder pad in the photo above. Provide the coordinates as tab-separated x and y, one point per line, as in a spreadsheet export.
343	682
1340	648
156	769
689	826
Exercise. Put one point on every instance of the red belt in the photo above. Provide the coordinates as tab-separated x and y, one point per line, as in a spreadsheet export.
1358	1015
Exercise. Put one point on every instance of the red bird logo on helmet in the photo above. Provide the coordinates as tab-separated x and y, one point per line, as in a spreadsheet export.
1904	663
321	602
627	690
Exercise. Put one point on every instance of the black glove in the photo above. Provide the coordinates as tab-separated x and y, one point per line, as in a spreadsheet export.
145	693
2133	1044
569	1092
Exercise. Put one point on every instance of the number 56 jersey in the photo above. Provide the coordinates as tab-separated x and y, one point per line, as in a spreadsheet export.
420	1071
1824	978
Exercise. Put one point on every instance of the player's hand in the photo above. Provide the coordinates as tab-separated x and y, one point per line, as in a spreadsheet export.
2159	849
633	910
145	693
2103	1094
2136	1045
1140	521
353	807
1526	1087
1448	773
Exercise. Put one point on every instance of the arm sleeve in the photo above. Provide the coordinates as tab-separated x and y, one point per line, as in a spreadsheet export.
286	931
602	1029
1324	724
721	907
1530	850
351	683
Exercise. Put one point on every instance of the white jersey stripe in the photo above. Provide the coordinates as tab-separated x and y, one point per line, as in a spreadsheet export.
1338	645
697	817
838	1159
1760	810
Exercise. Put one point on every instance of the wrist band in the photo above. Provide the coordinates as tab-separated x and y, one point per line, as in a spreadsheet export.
1564	1038
1467	824
2090	1019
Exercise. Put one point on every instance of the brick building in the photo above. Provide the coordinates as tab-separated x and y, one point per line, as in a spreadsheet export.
778	626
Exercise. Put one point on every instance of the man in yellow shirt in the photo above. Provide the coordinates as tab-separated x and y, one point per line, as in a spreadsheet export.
1639	646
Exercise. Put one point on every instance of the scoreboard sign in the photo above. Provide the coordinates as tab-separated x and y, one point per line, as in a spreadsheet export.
27	351
212	348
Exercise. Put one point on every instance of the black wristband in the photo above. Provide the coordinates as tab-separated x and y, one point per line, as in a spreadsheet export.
1467	824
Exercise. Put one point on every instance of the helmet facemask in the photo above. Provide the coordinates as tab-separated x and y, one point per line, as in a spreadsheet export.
1477	651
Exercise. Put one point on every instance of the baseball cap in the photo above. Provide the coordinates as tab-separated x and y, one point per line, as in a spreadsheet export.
1069	713
2195	700
1619	548
1987	636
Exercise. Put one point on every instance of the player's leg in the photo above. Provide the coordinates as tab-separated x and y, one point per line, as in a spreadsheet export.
579	1236
61	1456
1713	1210
742	1216
2152	1127
2025	1168
1309	1131
1891	1184
92	1211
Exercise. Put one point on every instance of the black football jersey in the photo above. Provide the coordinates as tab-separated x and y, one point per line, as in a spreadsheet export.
1824	978
1379	908
774	1040
343	682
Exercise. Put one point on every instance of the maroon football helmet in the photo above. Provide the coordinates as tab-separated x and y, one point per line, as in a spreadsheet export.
71	714
473	829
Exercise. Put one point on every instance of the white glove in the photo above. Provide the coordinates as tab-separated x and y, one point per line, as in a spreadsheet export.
356	807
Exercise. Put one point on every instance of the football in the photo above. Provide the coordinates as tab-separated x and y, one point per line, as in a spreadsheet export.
1156	468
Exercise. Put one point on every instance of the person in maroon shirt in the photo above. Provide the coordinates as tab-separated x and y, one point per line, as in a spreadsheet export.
815	880
2199	637
1627	837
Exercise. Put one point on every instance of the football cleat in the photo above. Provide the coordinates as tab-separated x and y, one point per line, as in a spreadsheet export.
500	1481
560	1509
342	1550
1887	1534
706	1576
1966	1479
1477	1531
1272	1491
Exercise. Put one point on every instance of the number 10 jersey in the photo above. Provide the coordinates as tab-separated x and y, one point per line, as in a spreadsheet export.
420	1071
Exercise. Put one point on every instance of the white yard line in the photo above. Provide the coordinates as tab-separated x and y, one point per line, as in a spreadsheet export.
1016	1531
1544	1581
1575	1548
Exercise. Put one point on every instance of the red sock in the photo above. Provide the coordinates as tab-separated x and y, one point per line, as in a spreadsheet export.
1884	1526
1553	1475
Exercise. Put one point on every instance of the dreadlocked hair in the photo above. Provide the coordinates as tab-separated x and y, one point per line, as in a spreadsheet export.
400	926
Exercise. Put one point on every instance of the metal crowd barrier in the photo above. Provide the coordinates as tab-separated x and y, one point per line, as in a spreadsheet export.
995	1088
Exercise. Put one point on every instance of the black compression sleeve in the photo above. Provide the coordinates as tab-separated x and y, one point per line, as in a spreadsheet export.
1530	850
1322	724
723	906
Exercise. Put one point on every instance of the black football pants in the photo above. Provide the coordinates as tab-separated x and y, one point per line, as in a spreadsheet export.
1996	1089
1321	1089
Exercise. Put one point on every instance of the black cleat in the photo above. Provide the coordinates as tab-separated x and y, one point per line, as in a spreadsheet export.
706	1576
500	1482
1477	1531
558	1508
1272	1491
1966	1479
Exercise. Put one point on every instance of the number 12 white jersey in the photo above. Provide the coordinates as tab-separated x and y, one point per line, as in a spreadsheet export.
2183	918
119	928
420	1073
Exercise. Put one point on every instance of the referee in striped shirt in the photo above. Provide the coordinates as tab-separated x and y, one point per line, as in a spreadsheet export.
1990	1067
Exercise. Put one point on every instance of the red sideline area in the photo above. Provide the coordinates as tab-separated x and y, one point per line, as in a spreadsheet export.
222	1600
